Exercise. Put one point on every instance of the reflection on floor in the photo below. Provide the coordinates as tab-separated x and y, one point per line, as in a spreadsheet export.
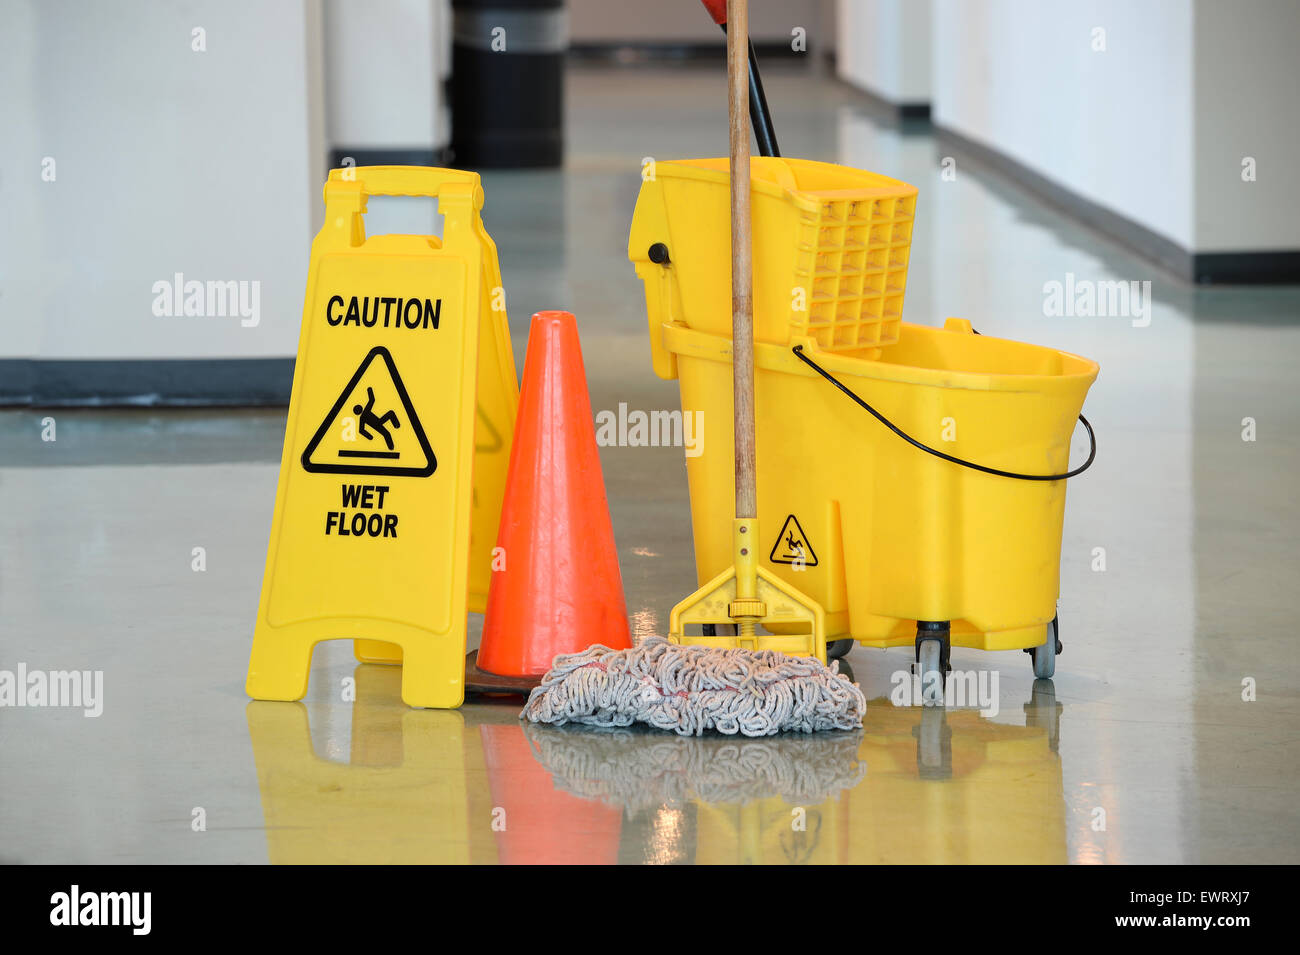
479	786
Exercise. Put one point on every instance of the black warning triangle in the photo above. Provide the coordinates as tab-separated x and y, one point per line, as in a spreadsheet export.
792	545
384	457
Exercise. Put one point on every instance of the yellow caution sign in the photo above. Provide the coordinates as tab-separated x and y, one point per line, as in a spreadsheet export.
404	368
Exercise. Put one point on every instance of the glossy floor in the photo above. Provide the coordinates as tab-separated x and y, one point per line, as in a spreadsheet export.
1180	557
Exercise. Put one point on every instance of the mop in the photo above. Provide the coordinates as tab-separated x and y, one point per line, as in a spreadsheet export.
691	689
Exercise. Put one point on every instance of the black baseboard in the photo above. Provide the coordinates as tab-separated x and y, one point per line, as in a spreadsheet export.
389	156
909	118
1265	266
1247	268
199	382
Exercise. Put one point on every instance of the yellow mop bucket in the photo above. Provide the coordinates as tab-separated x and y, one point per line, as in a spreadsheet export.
895	543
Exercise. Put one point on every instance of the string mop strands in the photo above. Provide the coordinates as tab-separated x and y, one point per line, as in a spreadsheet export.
690	689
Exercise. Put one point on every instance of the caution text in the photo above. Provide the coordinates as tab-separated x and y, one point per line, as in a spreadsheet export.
389	311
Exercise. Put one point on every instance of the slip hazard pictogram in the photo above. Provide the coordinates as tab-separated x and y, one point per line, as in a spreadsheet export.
372	427
792	546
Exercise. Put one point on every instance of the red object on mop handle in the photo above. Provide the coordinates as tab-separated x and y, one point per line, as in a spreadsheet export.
718	10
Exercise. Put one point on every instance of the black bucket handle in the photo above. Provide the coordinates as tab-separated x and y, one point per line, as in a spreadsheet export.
1092	437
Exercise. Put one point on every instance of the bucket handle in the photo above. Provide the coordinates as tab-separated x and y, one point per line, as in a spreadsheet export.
1092	438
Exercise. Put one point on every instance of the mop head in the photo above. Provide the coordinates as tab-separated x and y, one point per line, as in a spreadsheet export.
690	689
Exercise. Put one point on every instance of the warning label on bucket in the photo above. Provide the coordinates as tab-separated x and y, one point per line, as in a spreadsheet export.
792	546
372	427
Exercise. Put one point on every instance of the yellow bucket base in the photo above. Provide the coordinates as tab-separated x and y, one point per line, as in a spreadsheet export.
902	633
877	532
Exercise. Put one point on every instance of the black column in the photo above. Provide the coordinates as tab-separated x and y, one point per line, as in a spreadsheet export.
507	83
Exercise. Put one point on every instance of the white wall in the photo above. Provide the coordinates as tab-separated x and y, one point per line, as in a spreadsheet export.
628	21
1247	82
383	78
385	66
883	47
166	160
1156	126
1113	126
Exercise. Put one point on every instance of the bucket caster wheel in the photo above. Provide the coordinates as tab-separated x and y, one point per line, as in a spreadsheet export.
1045	656
835	649
929	666
932	647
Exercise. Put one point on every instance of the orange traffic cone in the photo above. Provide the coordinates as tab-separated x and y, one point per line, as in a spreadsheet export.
559	590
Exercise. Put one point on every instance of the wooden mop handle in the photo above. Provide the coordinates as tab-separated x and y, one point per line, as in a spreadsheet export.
742	296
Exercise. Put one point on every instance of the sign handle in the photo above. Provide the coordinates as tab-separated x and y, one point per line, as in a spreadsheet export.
404	181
